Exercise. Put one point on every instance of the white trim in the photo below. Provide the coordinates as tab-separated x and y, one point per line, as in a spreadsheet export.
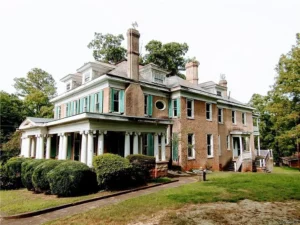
211	145
164	103
193	144
210	111
192	108
219	145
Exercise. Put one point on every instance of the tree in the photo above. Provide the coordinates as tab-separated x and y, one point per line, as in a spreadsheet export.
12	114
169	56
107	47
37	89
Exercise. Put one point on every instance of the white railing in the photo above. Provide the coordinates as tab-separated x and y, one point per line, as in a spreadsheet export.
238	163
247	155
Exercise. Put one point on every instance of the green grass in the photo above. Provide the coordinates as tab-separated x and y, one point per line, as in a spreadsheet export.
230	187
284	169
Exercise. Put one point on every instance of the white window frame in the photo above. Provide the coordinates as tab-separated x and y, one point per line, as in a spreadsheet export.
210	111
228	142
193	148
211	145
118	101
233	116
175	108
244	118
85	104
75	107
192	108
58	112
221	116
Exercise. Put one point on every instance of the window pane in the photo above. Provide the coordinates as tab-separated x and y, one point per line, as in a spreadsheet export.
189	112
145	103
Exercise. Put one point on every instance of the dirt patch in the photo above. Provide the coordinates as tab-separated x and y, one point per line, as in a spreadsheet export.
243	212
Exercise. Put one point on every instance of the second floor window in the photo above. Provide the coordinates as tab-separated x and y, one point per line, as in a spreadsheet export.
96	102
190	108
58	112
233	117
244	118
220	115
219	93
208	111
85	104
191	146
67	109
116	100
175	110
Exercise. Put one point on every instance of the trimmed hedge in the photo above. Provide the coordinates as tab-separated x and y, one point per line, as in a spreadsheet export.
39	176
13	171
113	171
27	170
143	162
5	184
72	178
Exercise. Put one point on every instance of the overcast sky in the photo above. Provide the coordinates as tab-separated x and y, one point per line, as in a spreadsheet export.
242	39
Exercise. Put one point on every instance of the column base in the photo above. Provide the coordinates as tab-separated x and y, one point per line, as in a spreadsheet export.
160	170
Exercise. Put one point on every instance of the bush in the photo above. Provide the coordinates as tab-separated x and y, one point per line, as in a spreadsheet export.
72	178
39	177
27	171
5	184
13	170
144	163
113	171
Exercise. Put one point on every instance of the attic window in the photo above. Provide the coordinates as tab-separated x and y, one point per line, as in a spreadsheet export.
219	93
86	77
68	86
159	78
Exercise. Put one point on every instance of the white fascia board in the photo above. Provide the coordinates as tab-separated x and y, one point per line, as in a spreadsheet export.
97	65
154	91
198	96
233	105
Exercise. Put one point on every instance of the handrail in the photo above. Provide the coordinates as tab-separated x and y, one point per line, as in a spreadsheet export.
238	163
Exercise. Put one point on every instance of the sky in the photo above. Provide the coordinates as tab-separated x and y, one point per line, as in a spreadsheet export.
241	39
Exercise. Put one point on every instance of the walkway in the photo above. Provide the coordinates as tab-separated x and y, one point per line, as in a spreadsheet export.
40	219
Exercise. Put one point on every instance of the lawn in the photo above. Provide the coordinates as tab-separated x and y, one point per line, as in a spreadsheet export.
21	201
226	187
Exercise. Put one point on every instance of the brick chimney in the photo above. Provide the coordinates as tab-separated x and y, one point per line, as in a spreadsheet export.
133	54
223	83
192	72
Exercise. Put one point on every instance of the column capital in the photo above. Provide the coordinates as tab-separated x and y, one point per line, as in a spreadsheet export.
163	134
137	133
89	132
83	132
102	131
128	133
49	135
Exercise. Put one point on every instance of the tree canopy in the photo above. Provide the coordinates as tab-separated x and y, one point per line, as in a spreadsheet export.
107	47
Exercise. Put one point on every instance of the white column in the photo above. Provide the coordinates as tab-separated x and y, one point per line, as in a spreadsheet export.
60	146
22	153
48	147
90	150
136	143
258	145
65	147
41	148
141	145
156	147
127	144
241	146
163	147
27	147
33	147
83	147
100	150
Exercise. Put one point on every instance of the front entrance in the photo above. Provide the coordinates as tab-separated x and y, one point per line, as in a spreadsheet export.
114	143
236	146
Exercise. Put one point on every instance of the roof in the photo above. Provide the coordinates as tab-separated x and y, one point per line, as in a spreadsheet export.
39	120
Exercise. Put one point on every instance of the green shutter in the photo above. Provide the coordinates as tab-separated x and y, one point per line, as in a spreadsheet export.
100	99
170	108
111	99
121	101
175	147
78	106
81	106
150	105
178	107
92	103
150	143
71	109
69	148
56	112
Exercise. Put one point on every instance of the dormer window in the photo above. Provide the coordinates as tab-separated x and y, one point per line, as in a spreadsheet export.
219	93
68	86
159	78
87	77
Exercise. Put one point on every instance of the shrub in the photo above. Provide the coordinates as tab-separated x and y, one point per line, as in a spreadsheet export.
72	178
39	176
5	184
27	171
13	170
144	163
113	171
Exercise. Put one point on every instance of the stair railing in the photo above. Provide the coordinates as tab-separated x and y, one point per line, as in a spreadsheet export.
238	163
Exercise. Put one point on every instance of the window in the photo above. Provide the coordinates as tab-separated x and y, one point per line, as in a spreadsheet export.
220	115
85	103
244	118
75	107
146	104
97	105
68	86
233	116
58	112
86	77
67	109
175	110
116	100
159	78
209	142
219	93
190	108
228	142
191	146
160	105
208	111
